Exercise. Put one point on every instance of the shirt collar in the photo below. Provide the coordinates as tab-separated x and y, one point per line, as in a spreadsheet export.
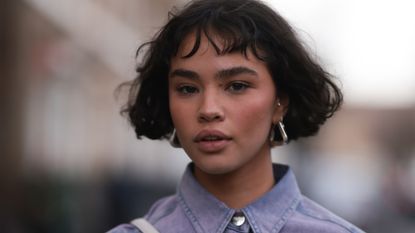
269	212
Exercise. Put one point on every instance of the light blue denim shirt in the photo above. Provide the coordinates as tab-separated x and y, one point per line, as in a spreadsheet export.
283	209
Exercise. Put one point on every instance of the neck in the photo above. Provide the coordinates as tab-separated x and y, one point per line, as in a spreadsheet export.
242	186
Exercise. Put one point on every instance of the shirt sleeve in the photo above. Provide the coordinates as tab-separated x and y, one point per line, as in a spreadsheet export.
124	228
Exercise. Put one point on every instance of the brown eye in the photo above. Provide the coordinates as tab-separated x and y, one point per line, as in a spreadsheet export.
237	87
187	90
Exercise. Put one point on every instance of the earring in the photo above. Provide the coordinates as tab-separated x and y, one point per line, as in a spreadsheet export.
281	128
173	140
281	139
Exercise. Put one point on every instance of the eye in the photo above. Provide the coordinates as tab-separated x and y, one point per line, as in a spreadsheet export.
186	89
237	87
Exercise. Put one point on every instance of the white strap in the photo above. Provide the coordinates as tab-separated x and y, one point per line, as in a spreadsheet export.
144	225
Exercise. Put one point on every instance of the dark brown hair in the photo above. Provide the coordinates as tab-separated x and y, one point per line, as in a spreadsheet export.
242	25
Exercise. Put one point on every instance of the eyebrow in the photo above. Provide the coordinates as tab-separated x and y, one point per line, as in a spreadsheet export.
234	71
221	74
184	73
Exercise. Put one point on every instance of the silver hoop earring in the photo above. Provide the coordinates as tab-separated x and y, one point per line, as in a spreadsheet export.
173	140
281	139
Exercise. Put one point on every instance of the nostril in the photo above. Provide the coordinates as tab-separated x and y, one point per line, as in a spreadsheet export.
212	116
210	108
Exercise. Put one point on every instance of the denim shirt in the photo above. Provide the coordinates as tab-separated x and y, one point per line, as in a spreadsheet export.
282	209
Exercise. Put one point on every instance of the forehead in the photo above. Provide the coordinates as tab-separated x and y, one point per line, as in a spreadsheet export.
199	44
194	43
224	37
207	60
194	49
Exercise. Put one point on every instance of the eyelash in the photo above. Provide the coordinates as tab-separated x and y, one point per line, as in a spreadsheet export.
186	89
235	87
241	86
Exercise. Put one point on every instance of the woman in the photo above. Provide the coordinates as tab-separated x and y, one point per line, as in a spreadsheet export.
221	80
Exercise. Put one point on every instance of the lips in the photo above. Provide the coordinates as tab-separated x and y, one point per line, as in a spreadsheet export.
211	141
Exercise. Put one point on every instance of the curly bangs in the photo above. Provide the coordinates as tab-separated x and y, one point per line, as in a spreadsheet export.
240	25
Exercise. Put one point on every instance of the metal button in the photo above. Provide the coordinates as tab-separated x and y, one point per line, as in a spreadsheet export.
238	220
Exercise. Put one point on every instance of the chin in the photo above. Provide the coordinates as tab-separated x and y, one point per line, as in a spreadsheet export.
215	168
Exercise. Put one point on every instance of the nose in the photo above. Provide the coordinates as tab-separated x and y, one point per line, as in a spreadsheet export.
210	108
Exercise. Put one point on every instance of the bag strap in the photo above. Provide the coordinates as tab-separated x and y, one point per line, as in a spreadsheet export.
144	225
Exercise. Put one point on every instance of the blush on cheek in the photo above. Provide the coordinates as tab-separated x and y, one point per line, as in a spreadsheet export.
256	117
260	109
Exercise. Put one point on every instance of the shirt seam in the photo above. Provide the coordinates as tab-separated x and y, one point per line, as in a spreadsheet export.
305	213
251	220
168	212
225	223
284	218
195	223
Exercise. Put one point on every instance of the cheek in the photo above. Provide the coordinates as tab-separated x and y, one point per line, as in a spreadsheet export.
181	114
175	111
174	108
256	116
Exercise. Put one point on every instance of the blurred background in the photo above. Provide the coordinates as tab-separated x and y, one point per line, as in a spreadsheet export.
70	163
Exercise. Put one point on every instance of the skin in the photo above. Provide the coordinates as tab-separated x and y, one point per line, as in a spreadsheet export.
234	95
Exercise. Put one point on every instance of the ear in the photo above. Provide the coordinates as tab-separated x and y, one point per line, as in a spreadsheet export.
281	108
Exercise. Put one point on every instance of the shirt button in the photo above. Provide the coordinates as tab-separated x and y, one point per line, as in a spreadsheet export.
238	219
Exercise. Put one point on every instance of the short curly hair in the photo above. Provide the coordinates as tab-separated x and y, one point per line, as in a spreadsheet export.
242	25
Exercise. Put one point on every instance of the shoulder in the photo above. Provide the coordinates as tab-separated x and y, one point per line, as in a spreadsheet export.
124	228
162	208
316	218
167	215
159	210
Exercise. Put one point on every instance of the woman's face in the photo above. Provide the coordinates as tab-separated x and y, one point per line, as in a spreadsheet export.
222	107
